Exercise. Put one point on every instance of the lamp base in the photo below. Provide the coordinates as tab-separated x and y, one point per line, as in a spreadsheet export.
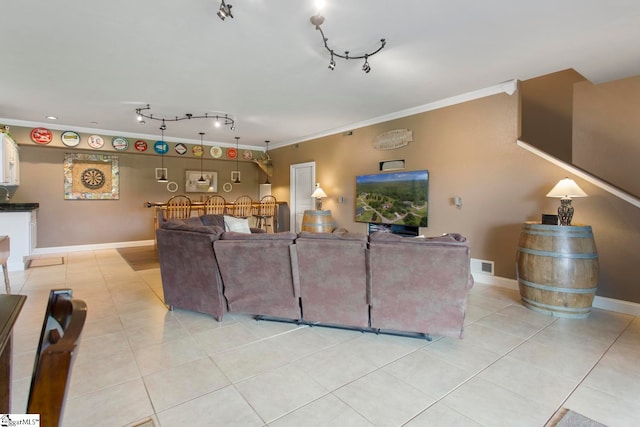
318	204
565	212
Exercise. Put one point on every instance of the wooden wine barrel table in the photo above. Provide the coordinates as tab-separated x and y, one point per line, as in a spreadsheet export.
318	222
557	269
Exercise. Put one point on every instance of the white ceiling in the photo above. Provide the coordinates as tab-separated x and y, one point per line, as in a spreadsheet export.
93	63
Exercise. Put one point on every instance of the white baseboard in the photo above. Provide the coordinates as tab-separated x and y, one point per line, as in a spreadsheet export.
603	303
95	247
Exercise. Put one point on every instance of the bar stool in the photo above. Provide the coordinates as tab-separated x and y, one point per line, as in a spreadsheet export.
178	207
242	207
266	212
214	205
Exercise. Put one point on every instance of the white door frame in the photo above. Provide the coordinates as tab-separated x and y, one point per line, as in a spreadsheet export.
293	220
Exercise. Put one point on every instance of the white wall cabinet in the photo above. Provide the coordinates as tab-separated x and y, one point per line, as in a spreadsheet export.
9	161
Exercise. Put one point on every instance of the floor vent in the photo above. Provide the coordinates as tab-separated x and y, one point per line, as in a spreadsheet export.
482	266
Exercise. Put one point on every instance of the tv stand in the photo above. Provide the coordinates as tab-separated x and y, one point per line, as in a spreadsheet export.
402	230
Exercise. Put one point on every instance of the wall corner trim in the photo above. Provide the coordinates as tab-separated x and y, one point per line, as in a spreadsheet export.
509	87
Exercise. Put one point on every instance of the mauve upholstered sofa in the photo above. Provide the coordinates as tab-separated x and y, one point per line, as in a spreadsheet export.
257	273
419	284
333	274
382	282
190	275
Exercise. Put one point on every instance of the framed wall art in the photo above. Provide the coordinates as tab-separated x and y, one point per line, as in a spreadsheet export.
91	177
193	185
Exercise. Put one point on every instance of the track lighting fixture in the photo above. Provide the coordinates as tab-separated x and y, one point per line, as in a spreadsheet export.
201	180
317	21
220	119
224	11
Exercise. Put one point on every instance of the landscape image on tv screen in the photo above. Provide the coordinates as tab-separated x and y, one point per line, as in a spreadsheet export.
393	198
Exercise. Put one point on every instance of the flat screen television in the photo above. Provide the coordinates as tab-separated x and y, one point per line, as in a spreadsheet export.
400	198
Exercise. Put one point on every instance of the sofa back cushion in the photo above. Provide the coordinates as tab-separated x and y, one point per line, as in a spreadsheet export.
193	224
338	234
448	238
285	235
213	220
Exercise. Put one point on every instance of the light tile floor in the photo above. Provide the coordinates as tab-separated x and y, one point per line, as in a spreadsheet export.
137	360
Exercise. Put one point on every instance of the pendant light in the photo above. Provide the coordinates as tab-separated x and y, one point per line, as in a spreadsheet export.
163	175
237	174
201	180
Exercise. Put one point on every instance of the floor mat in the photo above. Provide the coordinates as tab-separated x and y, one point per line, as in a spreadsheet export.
140	257
567	418
45	262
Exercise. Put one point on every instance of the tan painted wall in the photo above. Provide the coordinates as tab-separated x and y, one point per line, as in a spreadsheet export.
470	151
547	112
606	128
82	222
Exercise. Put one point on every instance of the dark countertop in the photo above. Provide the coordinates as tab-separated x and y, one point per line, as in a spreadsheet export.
18	207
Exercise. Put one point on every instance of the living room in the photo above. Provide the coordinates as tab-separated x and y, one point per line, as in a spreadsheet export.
468	141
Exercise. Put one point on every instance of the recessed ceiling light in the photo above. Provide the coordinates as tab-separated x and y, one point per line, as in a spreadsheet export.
52	117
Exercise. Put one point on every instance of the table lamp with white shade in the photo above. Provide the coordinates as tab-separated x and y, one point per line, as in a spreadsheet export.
318	194
565	189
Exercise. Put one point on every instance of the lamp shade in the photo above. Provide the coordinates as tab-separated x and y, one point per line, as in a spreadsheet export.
566	188
318	193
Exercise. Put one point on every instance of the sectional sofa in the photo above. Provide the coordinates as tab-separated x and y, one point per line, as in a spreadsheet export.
382	282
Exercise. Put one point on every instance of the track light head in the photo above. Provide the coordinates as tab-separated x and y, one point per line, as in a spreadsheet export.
224	11
366	67
317	20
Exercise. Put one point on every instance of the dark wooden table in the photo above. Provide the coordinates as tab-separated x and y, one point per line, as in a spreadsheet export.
10	306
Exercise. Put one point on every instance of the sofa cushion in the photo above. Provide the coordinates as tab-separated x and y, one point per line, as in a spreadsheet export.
191	224
338	234
213	220
383	237
232	235
238	225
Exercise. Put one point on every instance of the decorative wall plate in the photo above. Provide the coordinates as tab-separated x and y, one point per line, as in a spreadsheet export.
70	138
140	145
216	152
247	155
119	143
181	148
197	151
172	187
161	147
41	136
232	153
95	141
226	187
